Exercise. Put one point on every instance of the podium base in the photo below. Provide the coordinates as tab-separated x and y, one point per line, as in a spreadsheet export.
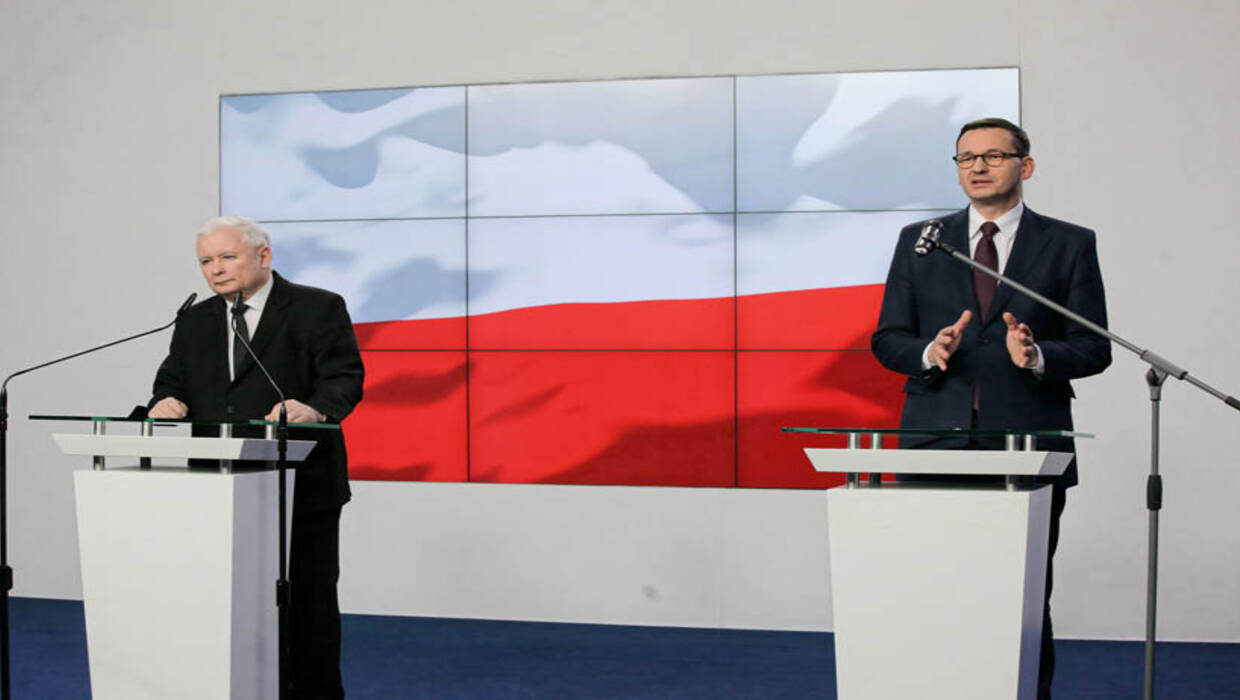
937	592
178	582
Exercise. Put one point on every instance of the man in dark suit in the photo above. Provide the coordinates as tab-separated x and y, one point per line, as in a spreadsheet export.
985	356
304	337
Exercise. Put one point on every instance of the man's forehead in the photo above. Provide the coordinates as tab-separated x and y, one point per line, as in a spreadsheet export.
985	139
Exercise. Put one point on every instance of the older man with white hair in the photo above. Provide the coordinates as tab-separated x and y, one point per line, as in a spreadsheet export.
304	337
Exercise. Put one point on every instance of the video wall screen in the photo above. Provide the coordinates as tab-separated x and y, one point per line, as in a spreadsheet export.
626	282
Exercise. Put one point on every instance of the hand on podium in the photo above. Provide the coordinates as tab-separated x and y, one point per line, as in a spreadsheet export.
298	412
168	407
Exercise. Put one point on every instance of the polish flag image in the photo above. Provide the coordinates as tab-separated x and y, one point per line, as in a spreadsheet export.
624	282
647	350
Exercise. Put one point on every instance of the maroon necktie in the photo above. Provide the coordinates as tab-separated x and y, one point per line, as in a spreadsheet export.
986	254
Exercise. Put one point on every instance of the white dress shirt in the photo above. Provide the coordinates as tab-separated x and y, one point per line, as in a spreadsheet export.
1008	223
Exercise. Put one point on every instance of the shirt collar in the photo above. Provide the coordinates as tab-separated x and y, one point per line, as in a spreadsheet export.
1007	222
258	300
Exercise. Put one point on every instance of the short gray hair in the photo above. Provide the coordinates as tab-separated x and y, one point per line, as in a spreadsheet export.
251	232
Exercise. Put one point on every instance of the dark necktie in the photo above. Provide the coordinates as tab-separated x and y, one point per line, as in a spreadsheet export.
986	254
241	332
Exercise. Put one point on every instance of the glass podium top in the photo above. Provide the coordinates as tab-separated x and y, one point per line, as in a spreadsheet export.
949	432
170	421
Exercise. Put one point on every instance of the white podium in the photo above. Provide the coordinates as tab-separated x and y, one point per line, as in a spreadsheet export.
179	567
937	589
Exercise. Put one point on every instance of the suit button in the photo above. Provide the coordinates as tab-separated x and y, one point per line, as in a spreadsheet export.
983	341
229	410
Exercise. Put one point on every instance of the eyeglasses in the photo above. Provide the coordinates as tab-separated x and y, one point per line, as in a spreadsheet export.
992	158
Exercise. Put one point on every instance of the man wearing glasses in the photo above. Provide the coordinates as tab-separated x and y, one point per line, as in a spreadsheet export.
981	355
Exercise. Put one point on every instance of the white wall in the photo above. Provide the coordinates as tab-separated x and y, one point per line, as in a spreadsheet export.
108	162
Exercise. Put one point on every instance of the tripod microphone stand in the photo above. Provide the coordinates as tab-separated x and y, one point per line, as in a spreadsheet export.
1160	369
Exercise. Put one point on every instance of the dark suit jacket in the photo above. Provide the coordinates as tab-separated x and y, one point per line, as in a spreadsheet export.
305	339
927	293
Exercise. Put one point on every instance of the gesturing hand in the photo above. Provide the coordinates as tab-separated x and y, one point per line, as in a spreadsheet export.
948	339
1020	342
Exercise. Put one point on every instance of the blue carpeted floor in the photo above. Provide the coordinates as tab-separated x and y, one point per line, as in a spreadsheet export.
395	657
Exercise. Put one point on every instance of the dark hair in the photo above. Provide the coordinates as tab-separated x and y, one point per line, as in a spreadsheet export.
1019	137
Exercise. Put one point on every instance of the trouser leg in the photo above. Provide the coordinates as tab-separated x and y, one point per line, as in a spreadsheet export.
1046	666
314	569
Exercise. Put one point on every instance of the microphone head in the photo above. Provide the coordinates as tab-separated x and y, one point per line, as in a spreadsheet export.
188	303
931	231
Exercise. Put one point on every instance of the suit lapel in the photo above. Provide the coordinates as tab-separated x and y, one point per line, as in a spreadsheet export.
269	324
217	337
1026	250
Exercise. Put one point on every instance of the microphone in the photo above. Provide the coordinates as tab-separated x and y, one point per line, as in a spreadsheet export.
185	306
929	238
236	319
6	571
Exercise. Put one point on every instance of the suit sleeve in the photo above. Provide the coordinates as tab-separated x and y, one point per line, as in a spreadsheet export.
172	376
337	364
899	343
1080	352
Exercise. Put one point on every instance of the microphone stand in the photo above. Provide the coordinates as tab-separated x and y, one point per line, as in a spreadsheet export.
282	584
1160	369
6	572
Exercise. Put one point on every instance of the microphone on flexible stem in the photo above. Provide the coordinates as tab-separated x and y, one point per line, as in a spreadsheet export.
282	584
188	302
931	232
250	351
6	572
